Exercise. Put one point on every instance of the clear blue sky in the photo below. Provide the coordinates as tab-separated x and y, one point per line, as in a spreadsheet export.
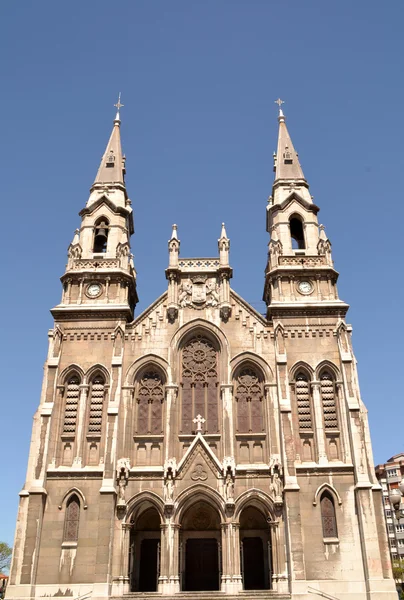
198	81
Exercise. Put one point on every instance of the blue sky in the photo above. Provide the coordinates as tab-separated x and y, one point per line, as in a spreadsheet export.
198	81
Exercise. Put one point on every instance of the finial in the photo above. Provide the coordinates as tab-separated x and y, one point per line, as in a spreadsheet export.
223	232
279	102
118	106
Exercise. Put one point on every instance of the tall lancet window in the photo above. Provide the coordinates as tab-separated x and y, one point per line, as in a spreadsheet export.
303	402
328	517
149	404
199	385
296	233
101	232
304	415
249	398
72	518
97	392
71	405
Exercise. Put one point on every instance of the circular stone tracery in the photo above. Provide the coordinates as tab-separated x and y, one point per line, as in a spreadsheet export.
199	355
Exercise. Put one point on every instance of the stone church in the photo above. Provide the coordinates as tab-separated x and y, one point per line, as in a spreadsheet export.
201	448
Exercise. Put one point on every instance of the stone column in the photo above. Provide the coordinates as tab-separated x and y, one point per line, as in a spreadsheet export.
121	583
171	420
278	546
318	415
173	539
232	582
165	551
81	425
228	421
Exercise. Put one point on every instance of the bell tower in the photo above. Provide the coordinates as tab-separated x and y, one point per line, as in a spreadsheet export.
100	277
300	275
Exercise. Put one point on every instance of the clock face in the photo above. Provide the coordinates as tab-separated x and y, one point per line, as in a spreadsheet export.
93	290
305	287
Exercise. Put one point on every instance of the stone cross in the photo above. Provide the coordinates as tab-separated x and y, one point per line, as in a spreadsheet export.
279	102
199	420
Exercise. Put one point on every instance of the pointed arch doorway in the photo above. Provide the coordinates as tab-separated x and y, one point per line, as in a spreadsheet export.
144	558
200	549
255	550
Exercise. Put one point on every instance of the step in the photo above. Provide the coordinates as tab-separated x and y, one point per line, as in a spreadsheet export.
245	595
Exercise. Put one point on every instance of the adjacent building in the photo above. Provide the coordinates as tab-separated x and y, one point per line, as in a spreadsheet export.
201	446
389	475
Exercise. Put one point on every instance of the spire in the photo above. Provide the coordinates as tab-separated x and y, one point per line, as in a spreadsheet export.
224	247
289	175
287	164
173	248
174	235
223	234
112	167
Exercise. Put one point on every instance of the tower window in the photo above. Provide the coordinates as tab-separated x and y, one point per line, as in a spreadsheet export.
72	516
287	156
110	159
101	236
96	406
328	400
328	517
72	400
303	402
296	233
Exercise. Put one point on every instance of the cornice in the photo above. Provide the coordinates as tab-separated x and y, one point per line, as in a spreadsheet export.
80	312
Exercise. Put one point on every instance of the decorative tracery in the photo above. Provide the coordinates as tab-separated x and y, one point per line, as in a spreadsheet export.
249	396
150	398
72	517
199	384
71	405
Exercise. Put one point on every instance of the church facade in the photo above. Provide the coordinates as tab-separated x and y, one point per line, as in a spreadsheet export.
201	447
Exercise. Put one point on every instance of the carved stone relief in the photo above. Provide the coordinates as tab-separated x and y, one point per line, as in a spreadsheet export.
199	291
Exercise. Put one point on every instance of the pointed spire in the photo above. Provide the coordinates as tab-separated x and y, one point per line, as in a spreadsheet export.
323	235
76	238
223	234
173	248
224	247
174	235
287	164
112	168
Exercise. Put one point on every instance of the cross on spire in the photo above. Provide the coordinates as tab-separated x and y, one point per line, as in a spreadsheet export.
199	420
118	104
279	102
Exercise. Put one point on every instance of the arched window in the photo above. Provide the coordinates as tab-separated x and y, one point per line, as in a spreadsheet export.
249	396
101	235
72	517
328	518
72	401
97	392
296	233
327	386
150	398
199	385
303	402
